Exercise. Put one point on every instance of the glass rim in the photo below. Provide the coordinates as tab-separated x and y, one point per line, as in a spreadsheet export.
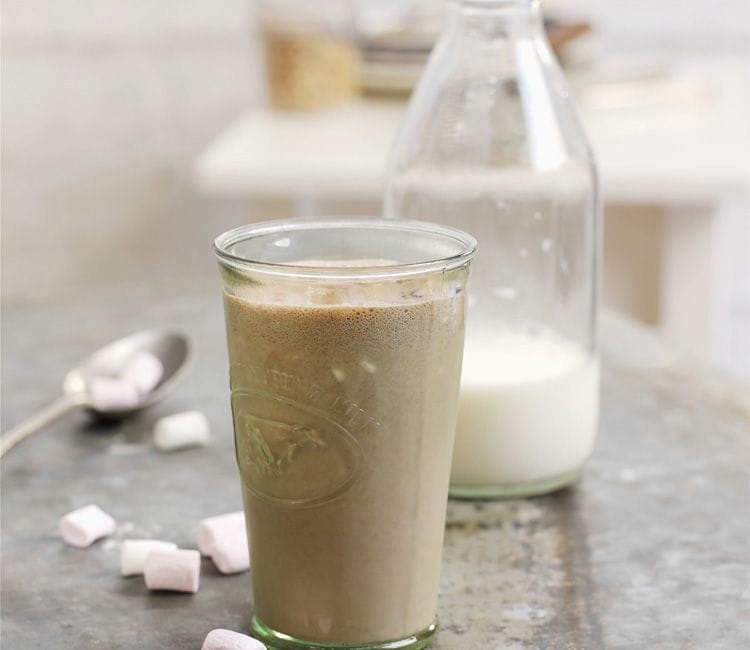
467	247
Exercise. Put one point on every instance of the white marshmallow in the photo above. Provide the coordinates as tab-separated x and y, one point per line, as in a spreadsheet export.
231	554
220	639
144	371
108	394
84	526
173	569
133	554
227	526
181	430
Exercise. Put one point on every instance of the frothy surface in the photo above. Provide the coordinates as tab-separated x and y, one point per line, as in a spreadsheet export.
362	263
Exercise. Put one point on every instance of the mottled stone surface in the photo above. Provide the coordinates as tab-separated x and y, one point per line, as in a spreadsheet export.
650	549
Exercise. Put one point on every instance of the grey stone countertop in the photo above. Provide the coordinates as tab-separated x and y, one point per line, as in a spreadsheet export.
650	549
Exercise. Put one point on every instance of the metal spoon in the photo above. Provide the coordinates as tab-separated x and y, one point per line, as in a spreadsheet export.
172	348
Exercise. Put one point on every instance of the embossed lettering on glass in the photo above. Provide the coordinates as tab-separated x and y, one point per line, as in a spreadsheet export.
345	341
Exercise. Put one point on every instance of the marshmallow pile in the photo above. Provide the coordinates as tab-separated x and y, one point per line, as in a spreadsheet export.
141	375
166	567
223	538
163	565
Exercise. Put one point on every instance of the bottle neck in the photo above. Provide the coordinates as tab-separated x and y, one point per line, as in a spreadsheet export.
515	16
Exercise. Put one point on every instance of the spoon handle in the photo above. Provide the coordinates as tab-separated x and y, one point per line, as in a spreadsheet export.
37	421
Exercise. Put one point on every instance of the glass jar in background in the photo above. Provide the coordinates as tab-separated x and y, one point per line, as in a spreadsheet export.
491	144
311	57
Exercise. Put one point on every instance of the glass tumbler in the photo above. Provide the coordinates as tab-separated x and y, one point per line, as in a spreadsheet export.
345	342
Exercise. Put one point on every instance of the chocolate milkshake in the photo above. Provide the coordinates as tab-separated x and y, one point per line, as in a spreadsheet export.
344	397
344	420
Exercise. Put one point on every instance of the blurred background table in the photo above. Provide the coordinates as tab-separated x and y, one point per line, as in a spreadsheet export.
649	549
674	140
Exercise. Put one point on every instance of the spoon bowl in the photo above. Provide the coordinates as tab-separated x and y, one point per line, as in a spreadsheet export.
173	349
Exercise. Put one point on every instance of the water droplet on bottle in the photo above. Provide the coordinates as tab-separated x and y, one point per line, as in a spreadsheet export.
537	216
546	245
523	252
564	266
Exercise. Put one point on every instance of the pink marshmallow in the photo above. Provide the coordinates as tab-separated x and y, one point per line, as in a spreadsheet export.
220	639
109	394
144	371
230	554
84	526
173	569
213	529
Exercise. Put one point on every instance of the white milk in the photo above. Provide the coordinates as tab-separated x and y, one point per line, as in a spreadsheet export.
528	410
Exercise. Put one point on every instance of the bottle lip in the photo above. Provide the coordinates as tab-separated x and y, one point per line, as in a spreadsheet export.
497	5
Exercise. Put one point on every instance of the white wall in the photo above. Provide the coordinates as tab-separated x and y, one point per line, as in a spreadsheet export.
104	103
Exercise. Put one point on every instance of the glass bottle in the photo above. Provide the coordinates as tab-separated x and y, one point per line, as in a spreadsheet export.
491	144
